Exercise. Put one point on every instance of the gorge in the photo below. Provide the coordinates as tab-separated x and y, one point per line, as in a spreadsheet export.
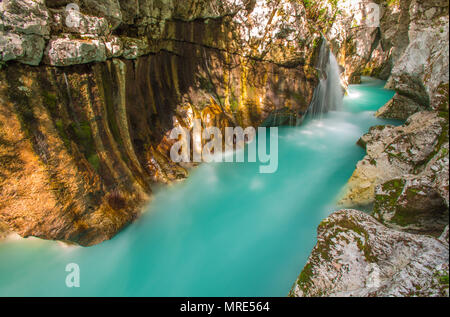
241	238
88	100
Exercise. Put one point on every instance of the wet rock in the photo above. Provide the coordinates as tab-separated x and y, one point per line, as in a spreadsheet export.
357	256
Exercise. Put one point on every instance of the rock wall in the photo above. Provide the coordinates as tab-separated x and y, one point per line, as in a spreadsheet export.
357	256
401	249
90	90
416	153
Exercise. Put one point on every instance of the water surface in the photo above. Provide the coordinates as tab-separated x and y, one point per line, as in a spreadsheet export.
225	231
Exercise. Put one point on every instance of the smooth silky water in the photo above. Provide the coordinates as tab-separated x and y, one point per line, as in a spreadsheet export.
225	231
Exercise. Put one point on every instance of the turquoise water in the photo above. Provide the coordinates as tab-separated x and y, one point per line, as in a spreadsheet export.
225	231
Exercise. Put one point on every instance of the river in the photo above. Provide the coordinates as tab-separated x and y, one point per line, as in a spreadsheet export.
225	231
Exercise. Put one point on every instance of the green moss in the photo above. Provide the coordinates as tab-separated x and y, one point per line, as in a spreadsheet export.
345	225
81	134
367	71
94	161
50	100
403	218
393	2
442	139
83	131
59	125
304	279
388	200
395	184
444	279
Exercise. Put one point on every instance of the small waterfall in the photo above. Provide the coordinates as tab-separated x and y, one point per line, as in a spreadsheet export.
328	94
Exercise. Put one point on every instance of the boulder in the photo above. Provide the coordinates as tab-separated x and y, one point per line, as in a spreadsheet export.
394	152
64	52
399	107
25	17
26	48
357	256
412	204
424	66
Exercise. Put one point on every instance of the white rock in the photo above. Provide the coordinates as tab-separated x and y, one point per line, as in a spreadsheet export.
63	52
357	256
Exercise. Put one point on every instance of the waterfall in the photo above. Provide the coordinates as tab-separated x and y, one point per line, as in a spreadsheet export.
328	94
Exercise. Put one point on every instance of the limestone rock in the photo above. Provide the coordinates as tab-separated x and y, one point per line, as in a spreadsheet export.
423	67
134	47
109	9
412	204
393	152
419	201
23	26
64	52
25	17
114	47
78	23
399	107
444	235
26	48
4	230
357	256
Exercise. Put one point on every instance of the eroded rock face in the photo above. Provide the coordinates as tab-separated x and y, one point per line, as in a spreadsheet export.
395	152
422	70
4	230
413	204
115	77
357	256
253	28
25	17
399	107
418	202
81	146
64	52
25	48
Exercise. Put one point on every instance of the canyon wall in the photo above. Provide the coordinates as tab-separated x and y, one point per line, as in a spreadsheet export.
89	97
401	248
90	90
